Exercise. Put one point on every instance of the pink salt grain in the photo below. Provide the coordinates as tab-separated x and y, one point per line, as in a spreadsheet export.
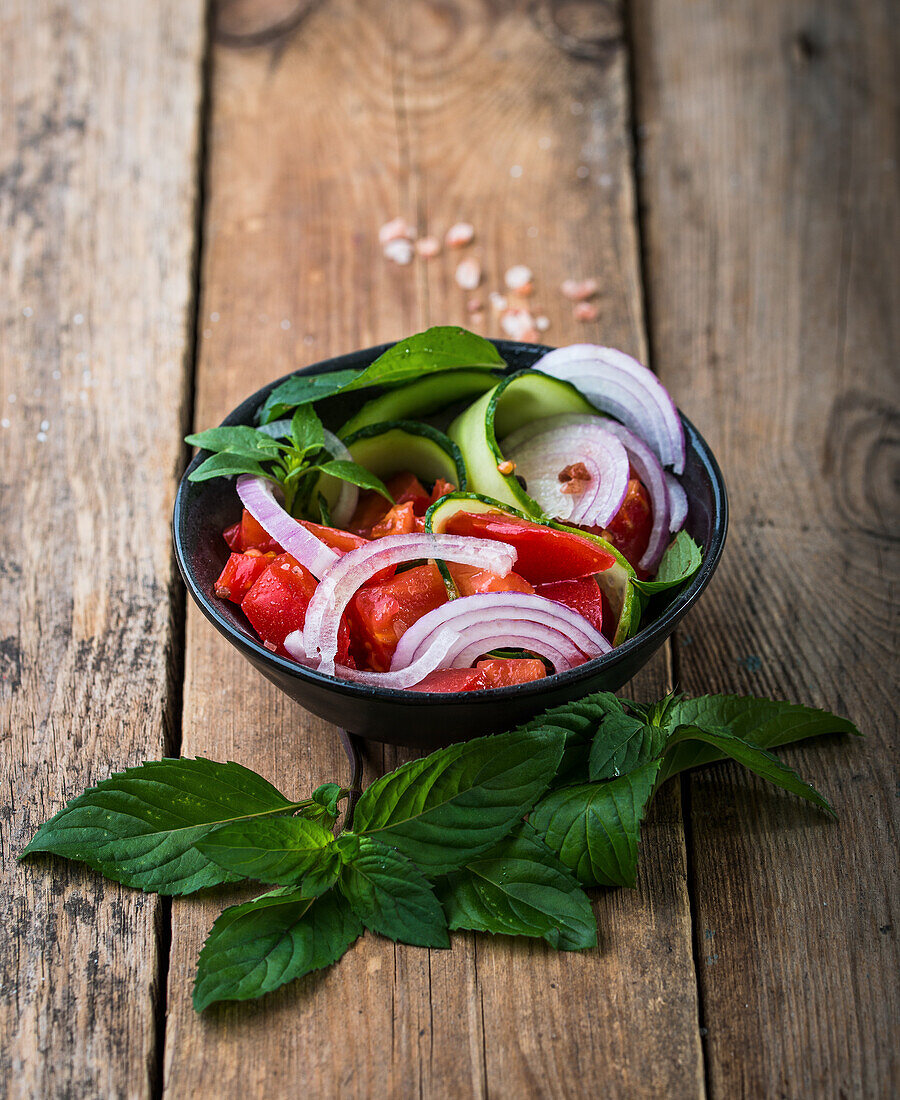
518	324
468	274
520	279
459	235
427	247
400	251
579	290
395	230
585	311
474	305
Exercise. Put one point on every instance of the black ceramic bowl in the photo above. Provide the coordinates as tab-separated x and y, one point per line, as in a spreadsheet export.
204	510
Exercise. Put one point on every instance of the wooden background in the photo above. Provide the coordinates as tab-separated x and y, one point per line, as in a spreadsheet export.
189	205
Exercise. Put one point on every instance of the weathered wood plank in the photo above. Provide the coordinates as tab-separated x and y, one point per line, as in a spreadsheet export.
99	108
770	182
462	110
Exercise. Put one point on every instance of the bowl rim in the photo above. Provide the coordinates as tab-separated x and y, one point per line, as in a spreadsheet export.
656	631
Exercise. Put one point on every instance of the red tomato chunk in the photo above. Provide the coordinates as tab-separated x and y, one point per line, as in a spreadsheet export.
544	554
241	572
492	673
381	612
629	529
582	595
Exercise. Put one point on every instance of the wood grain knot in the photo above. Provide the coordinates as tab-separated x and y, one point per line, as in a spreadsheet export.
247	24
591	30
862	463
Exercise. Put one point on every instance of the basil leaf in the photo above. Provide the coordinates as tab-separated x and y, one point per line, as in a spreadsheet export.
450	806
579	722
444	347
224	465
259	946
764	722
329	796
307	432
390	895
236	440
679	563
621	744
140	826
595	828
281	851
758	760
301	389
357	475
519	888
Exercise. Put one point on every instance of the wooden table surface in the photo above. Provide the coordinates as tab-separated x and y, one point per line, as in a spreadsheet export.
189	203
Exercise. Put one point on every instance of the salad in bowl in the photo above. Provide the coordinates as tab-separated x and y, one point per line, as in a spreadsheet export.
443	521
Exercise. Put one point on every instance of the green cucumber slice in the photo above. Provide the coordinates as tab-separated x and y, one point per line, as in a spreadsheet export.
615	582
389	448
427	395
519	399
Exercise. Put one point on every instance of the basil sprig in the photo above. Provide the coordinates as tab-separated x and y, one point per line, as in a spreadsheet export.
500	834
292	453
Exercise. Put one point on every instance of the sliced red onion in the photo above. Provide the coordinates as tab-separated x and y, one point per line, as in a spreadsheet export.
497	619
434	657
348	493
323	616
549	448
678	503
258	497
621	386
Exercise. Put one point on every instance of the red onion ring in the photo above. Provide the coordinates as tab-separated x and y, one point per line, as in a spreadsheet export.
542	450
491	619
258	497
434	657
678	503
621	386
336	589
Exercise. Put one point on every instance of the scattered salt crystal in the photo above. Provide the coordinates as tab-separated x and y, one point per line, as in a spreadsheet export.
395	230
207	332
11	399
45	424
214	317
577	108
606	180
42	437
585	311
27	311
516	171
544	143
478	317
37	391
498	301
579	290
309	339
532	231
86	377
4	423
582	171
468	274
285	324
519	278
542	323
428	247
399	250
474	305
78	319
459	235
57	374
518	324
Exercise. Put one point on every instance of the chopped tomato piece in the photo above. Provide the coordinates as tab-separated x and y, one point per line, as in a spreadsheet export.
441	489
503	671
255	537
381	612
406	488
582	595
241	572
400	520
276	605
492	673
334	536
470	581
544	554
629	529
232	535
452	680
372	506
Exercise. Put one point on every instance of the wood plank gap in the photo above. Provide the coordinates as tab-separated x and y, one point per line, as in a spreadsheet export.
178	597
